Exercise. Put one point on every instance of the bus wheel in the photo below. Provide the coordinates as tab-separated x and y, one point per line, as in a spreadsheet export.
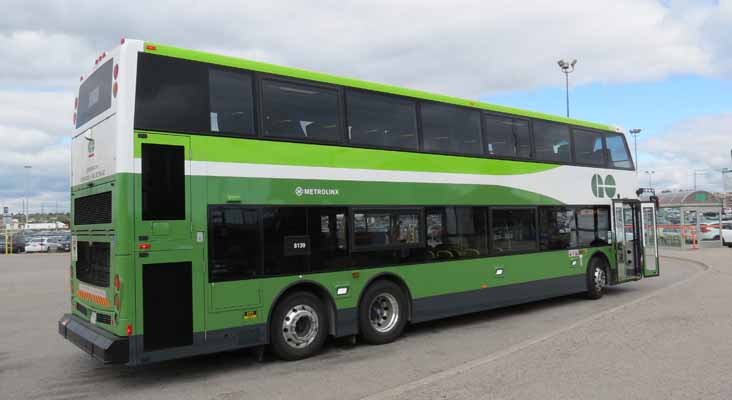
299	326
596	278
382	314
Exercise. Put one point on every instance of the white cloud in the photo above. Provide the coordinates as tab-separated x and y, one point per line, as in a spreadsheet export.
701	144
468	48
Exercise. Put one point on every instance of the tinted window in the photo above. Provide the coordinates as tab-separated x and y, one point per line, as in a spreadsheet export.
449	129
231	103
552	142
233	246
329	243
557	228
163	182
513	230
386	228
456	232
300	111
506	137
588	148
172	94
279	227
381	121
618	152
586	226
95	94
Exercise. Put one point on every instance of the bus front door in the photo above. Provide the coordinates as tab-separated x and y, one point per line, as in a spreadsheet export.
650	240
626	222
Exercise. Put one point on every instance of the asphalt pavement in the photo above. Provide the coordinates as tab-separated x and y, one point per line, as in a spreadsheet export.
660	338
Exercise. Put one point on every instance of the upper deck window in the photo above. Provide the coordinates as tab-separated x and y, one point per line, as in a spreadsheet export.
172	95
506	137
450	129
95	94
618	151
231	100
553	142
588	148
381	121
299	111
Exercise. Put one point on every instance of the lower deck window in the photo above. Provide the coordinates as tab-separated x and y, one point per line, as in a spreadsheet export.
513	230
248	242
234	247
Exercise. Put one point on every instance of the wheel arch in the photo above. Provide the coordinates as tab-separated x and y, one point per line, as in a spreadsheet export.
313	287
389	276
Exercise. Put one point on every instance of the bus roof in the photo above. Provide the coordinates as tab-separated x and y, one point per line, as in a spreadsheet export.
201	56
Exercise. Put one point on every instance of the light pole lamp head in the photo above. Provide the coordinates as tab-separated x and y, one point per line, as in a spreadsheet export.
635	131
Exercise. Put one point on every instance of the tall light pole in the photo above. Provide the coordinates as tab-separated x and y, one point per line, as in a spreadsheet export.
650	178
635	132
27	178
567	67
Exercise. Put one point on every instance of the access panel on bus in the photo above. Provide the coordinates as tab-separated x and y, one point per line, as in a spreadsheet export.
162	191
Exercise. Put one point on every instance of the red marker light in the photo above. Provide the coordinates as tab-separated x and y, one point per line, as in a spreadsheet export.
117	283
116	71
151	47
129	329
144	246
122	41
81	78
104	54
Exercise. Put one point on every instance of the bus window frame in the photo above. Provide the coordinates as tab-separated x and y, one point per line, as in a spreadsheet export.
340	111
530	123
353	210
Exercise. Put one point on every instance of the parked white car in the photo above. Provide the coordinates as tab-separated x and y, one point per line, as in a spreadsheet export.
37	245
727	234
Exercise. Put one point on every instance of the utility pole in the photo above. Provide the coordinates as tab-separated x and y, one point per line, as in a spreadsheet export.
27	206
567	68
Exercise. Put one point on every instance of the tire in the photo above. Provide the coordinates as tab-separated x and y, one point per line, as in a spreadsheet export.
596	278
382	313
299	326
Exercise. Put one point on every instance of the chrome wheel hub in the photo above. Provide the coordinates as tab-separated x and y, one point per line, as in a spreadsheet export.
600	279
300	326
384	312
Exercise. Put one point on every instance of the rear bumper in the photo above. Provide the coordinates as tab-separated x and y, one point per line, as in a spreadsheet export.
100	344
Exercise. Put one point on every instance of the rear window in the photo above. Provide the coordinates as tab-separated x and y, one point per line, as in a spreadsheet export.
95	94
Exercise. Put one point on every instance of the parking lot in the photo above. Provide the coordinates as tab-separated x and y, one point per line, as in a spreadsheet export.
659	338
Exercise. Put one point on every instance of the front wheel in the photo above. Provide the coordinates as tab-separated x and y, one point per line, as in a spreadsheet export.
596	278
299	326
382	313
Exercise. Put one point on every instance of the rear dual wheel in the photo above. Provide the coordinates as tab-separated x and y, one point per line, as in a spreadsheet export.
299	326
382	313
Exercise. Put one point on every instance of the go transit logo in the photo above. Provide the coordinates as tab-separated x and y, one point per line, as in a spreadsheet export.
603	188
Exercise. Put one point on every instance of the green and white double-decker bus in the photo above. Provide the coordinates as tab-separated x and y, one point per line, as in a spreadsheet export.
221	203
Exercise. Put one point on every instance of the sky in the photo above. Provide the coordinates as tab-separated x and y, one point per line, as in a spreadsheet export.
662	66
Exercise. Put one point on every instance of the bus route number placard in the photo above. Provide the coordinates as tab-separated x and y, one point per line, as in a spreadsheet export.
297	245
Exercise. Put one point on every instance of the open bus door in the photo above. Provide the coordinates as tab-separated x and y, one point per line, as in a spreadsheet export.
650	239
636	241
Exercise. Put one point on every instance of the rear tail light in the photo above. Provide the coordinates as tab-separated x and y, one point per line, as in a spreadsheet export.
129	329
117	283
704	228
117	303
114	89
